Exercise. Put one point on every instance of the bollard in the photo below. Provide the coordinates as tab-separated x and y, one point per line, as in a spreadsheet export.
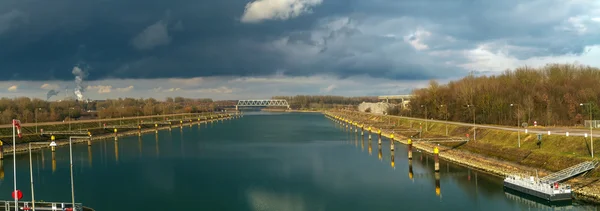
115	132
362	130
89	142
52	146
379	135
409	142
1	150
369	133
436	153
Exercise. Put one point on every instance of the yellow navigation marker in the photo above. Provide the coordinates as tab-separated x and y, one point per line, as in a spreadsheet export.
409	141
436	150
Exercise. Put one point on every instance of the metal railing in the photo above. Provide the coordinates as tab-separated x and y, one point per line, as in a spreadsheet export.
25	205
569	172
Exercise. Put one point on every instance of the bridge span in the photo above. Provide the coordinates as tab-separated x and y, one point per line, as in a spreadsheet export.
262	103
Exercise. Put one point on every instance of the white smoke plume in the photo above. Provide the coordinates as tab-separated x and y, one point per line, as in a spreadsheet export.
79	76
51	93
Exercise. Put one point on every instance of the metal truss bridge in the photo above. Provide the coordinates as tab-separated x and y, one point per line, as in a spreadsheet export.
262	103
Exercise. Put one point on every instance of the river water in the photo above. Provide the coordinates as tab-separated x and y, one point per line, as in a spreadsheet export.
263	161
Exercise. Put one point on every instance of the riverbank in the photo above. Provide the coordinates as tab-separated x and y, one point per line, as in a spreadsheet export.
24	147
493	151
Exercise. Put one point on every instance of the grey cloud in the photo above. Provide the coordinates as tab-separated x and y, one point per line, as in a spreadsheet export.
153	36
206	37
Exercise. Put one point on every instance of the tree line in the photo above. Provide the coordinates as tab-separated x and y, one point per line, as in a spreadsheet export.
30	110
555	94
323	101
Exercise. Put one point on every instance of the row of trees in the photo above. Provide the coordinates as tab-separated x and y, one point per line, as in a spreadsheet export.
29	110
319	102
550	95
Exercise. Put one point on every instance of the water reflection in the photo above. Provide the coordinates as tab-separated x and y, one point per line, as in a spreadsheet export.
89	156
53	162
1	169
116	150
392	163
140	145
370	147
379	149
157	150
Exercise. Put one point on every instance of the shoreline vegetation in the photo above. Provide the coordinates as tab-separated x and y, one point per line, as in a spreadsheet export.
494	151
552	95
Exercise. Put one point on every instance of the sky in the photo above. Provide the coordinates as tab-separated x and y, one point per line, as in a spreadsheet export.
252	49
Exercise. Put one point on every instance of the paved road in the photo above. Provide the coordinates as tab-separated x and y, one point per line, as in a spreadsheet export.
96	120
553	131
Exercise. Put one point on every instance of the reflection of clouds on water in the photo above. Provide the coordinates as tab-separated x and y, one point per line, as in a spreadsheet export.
263	200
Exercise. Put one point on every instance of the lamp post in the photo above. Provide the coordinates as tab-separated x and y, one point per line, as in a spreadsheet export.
36	124
474	128
70	117
425	116
445	117
71	165
518	122
591	126
31	171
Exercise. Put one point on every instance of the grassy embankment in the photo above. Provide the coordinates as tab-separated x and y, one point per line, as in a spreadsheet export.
497	151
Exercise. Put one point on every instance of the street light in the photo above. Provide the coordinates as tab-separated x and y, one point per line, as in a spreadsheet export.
70	117
425	116
474	128
71	164
35	114
591	136
121	116
31	171
518	122
445	117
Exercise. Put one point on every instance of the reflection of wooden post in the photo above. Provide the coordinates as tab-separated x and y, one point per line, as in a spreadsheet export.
53	161
409	149
436	153
392	142
437	183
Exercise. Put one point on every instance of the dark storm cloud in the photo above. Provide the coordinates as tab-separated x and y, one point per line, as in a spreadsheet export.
42	40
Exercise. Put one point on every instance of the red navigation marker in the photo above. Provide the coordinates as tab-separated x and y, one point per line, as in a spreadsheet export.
17	194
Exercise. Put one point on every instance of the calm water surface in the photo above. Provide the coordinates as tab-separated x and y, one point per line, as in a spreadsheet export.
264	161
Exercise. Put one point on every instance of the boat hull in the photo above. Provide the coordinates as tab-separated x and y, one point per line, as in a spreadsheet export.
542	195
